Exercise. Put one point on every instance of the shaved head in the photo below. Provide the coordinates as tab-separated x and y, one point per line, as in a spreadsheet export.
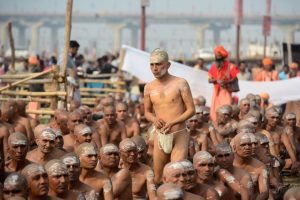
158	56
169	191
17	138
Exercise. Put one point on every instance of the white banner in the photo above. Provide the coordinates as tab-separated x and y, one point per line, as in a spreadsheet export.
137	62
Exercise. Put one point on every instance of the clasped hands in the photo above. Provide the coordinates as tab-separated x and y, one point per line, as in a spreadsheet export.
162	126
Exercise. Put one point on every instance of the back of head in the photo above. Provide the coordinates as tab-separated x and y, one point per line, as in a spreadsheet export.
292	194
169	191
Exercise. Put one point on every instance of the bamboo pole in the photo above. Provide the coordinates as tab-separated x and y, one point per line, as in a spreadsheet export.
12	47
35	94
102	81
102	90
99	75
28	82
92	94
26	79
27	99
120	66
17	76
41	112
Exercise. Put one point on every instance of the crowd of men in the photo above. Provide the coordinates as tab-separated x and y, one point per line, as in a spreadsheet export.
165	147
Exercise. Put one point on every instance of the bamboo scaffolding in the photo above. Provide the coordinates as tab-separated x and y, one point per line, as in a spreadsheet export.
27	99
35	94
41	112
102	81
102	90
26	79
92	94
18	76
99	75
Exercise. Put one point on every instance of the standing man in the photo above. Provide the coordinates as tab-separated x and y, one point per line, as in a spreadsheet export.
221	74
170	98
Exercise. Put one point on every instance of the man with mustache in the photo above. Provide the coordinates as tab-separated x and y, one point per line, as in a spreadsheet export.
59	180
108	164
18	148
242	146
38	184
142	175
100	182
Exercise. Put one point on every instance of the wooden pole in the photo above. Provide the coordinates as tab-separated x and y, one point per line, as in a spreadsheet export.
12	47
67	43
41	112
26	79
35	94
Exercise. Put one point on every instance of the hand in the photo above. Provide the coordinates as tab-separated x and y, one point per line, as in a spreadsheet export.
167	127
295	168
159	123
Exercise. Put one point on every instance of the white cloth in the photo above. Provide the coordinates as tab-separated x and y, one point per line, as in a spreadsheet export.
137	62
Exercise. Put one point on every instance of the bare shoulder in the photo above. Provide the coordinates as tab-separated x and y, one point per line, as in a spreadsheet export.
123	174
4	131
258	164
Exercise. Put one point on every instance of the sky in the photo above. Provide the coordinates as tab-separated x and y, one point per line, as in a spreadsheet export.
178	39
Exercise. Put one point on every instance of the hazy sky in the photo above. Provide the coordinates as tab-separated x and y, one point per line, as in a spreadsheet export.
179	39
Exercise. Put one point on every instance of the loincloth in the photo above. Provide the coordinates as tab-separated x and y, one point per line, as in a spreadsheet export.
165	141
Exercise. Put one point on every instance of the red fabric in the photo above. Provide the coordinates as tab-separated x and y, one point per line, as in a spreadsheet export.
221	96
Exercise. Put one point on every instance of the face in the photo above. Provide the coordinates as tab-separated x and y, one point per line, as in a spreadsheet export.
74	50
45	144
121	112
224	158
223	117
159	67
273	119
63	125
59	142
10	191
129	155
242	66
205	169
73	167
176	176
88	161
18	151
81	138
191	176
110	159
244	146
38	183
88	116
192	124
59	182
291	122
74	119
245	107
142	154
110	116
254	146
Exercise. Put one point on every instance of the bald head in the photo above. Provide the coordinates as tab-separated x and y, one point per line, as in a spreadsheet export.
74	104
292	194
32	170
158	56
86	149
108	149
245	126
82	129
70	159
127	145
43	131
21	107
56	167
108	101
223	148
202	156
169	191
15	185
140	142
17	138
60	114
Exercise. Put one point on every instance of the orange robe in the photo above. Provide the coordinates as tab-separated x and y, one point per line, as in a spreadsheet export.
267	76
221	96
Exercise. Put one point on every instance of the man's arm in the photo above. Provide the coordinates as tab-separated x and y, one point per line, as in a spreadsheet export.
263	183
188	101
122	183
136	128
108	190
103	135
151	188
123	130
285	140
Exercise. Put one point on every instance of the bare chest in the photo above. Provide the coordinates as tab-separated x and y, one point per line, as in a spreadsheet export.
139	184
164	94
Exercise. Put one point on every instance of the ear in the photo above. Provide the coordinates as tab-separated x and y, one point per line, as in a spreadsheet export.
169	64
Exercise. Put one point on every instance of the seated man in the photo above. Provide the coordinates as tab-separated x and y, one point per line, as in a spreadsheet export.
18	148
82	133
131	124
224	158
108	164
142	175
73	165
38	184
168	191
244	108
224	125
74	118
45	151
200	137
111	129
98	181
142	150
293	132
192	186
243	149
59	180
22	112
60	120
15	185
174	173
223	182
